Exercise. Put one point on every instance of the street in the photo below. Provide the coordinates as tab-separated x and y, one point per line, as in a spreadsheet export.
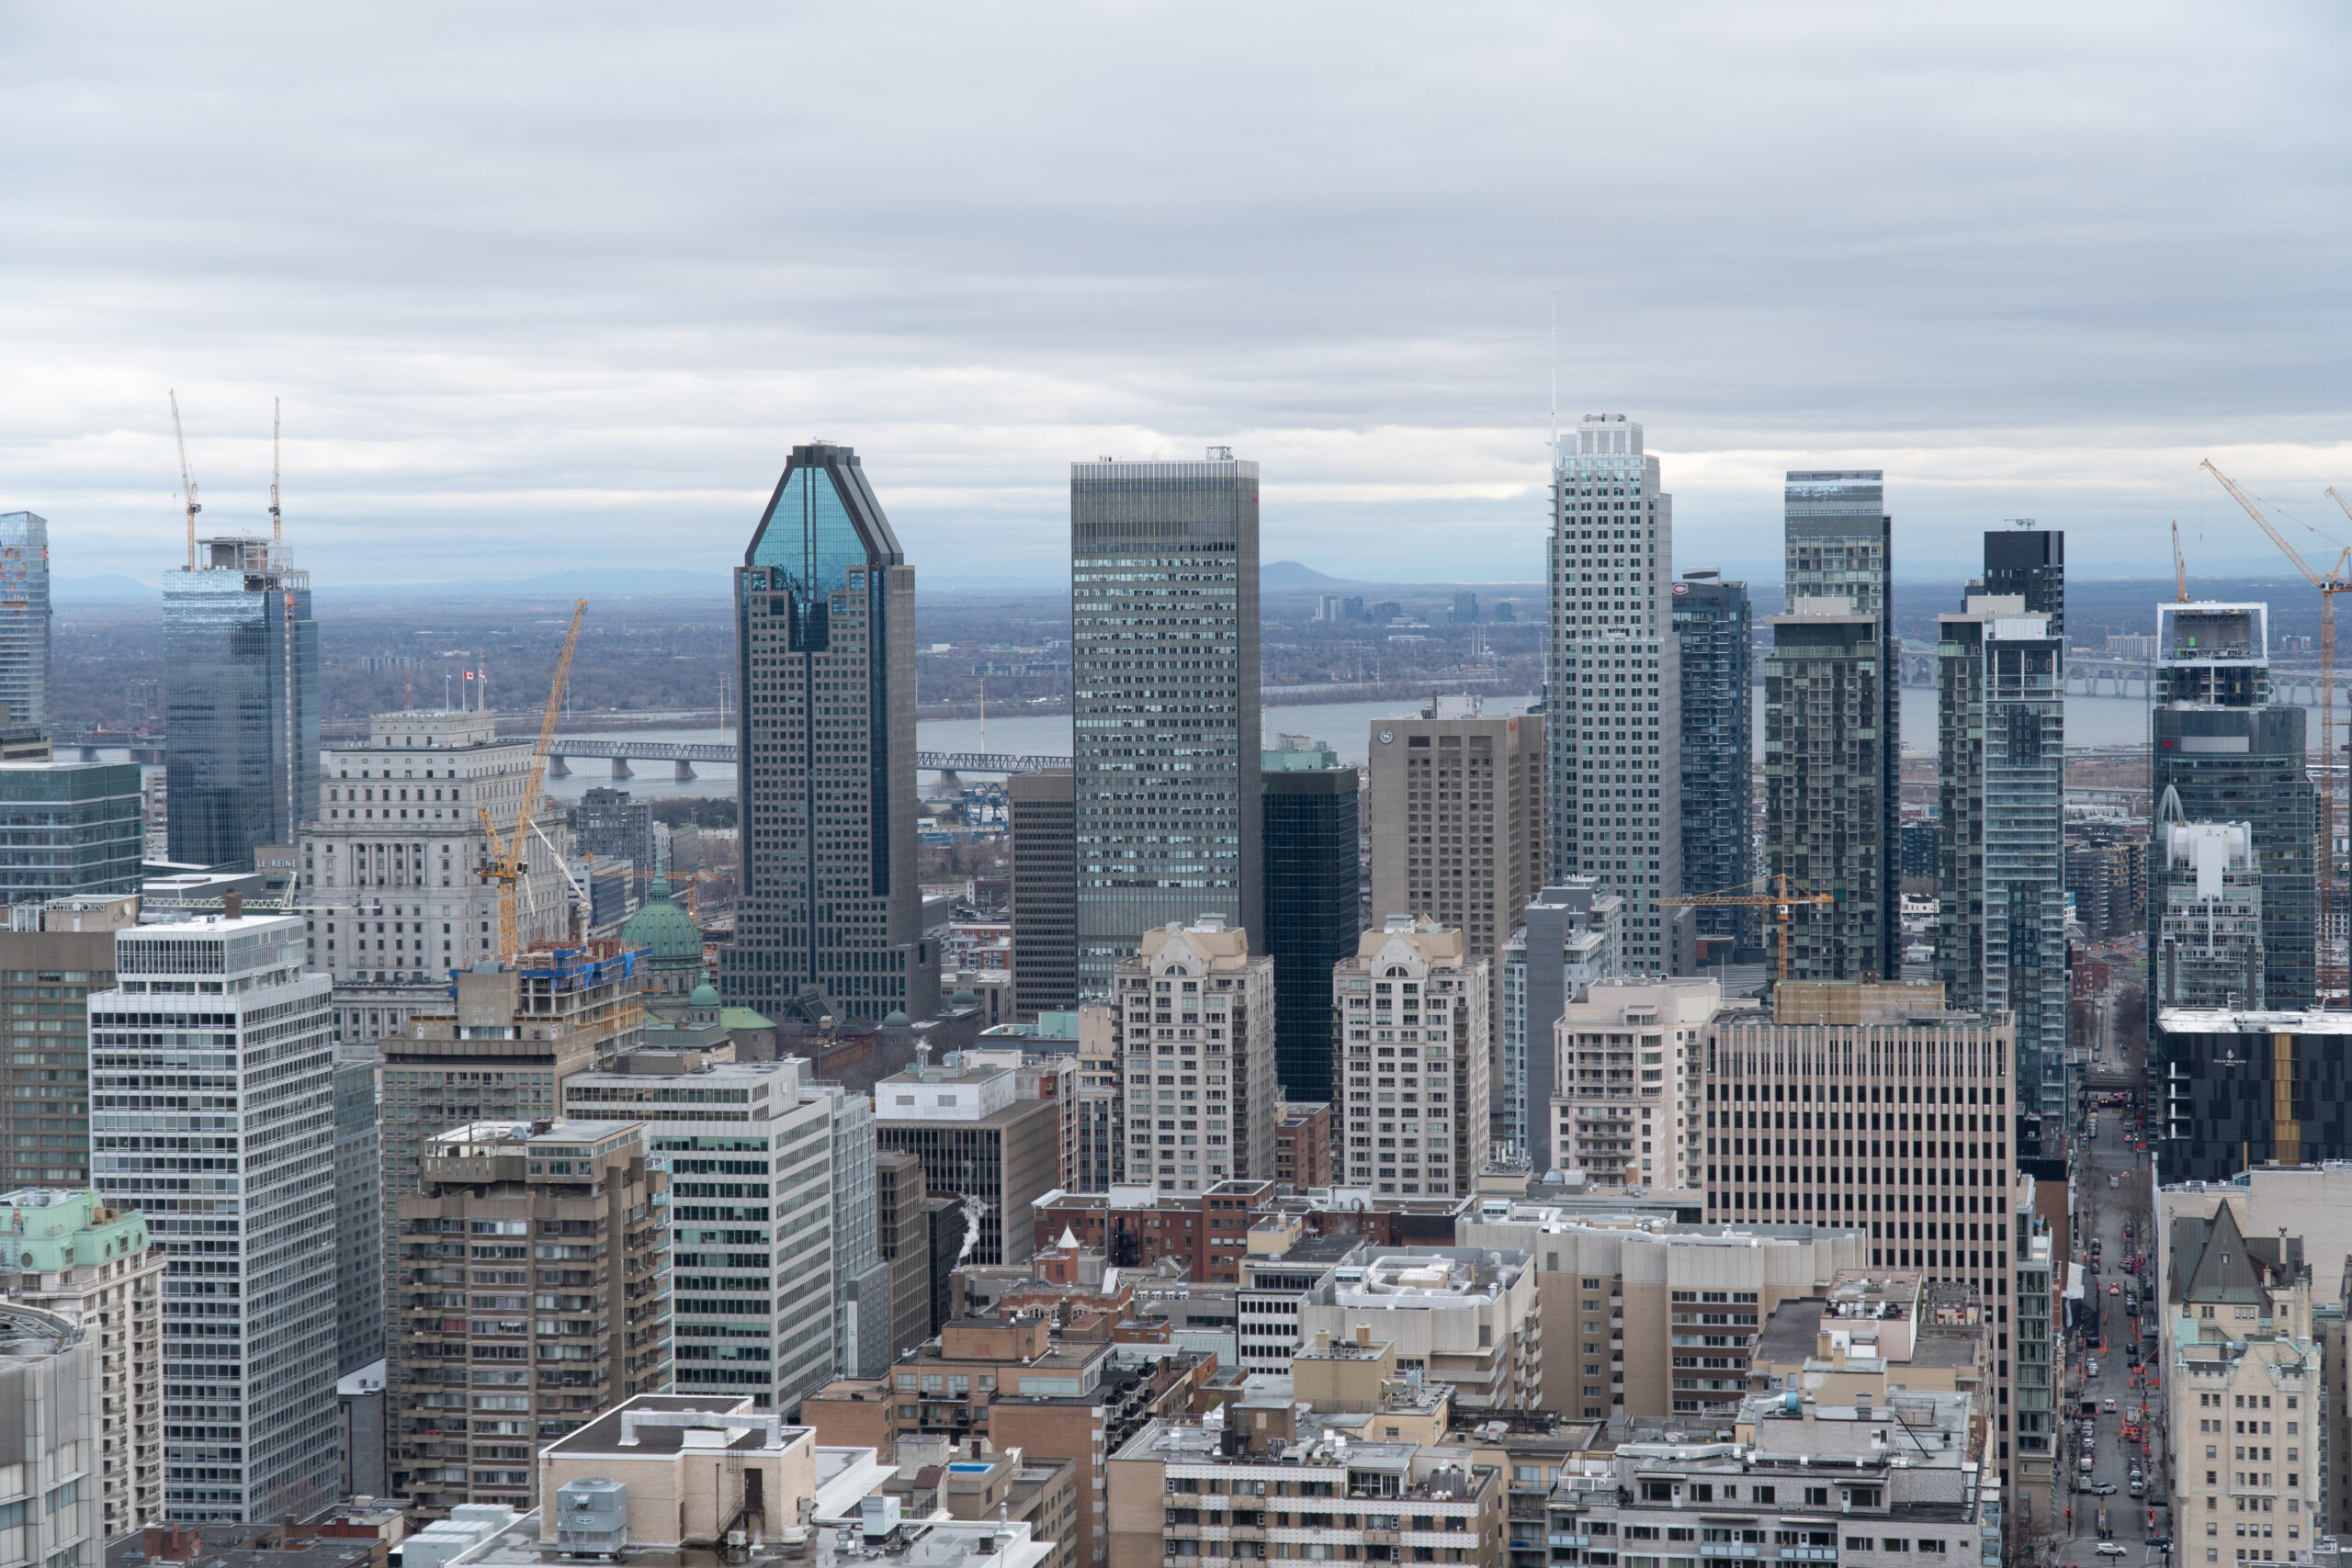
2129	1520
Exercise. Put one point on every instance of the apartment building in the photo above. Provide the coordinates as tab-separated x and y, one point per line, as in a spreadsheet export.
1624	1106
1461	1316
1194	1011
1411	1046
1571	939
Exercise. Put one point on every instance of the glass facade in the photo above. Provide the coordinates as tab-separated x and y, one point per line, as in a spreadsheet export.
1164	635
69	830
240	692
24	618
1840	545
1614	688
1313	914
824	615
1825	828
1710	622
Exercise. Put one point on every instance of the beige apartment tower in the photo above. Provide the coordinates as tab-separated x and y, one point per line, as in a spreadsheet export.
1411	1069
1624	1102
1194	1012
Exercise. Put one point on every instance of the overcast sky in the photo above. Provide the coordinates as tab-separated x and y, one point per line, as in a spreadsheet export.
550	283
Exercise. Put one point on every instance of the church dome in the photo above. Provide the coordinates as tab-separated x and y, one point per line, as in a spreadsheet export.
663	927
705	996
894	1019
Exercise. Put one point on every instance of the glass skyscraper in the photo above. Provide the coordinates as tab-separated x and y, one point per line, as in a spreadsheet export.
825	651
75	831
1313	904
1164	663
240	692
1710	622
1841	547
23	620
1614	688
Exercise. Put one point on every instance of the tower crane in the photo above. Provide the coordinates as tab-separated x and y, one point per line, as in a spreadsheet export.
275	531
1778	902
2330	975
188	485
2179	567
504	861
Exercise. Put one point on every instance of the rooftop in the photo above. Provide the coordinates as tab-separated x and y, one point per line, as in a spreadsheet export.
660	1424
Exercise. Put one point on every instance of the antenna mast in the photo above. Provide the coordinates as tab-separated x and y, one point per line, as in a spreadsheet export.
277	535
188	485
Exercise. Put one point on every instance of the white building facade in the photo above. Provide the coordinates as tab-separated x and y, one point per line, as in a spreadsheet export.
1196	1018
1625	1108
1412	1056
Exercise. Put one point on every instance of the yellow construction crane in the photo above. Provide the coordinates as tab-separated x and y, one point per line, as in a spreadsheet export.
188	485
2331	976
1778	902
276	531
505	865
2179	567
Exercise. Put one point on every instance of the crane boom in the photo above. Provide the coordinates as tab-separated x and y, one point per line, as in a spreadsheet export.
276	532
188	485
2179	567
506	855
1778	901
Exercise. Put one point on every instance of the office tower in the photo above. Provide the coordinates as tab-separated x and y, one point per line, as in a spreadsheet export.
607	822
1624	1106
1465	607
51	970
48	1393
1916	1101
249	1390
1195	1016
240	691
750	1262
1711	625
862	1305
499	1050
1825	829
2029	563
990	1152
99	1267
2240	1089
583	1322
358	1211
2208	914
1164	664
1041	823
1101	1116
1457	825
1614	692
74	827
1839	543
1409	1016
2232	755
1313	890
825	627
23	620
1570	942
2001	846
902	1235
391	865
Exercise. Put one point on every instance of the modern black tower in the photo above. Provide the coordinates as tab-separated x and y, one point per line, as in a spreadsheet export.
825	628
2030	563
1314	909
1711	621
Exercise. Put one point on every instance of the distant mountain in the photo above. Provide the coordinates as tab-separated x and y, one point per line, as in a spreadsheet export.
1294	577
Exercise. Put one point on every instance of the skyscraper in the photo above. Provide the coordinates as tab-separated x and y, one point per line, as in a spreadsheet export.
23	620
1614	689
1839	543
1568	943
1711	624
1824	827
2207	914
1409	1007
241	696
1164	663
2000	874
1199	1007
2030	563
2232	755
824	625
1313	899
1045	893
248	1386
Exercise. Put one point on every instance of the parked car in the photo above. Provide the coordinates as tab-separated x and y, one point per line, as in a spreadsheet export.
2110	1549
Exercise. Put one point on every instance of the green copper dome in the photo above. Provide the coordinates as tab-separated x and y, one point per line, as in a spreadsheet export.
705	996
894	1019
667	929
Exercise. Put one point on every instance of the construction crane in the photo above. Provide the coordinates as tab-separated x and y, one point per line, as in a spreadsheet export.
504	861
188	485
1778	902
2179	567
2330	974
276	533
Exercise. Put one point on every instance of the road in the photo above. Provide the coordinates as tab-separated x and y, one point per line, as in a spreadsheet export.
2130	1520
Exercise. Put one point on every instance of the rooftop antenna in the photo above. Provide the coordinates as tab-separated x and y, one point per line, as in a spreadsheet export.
276	534
188	485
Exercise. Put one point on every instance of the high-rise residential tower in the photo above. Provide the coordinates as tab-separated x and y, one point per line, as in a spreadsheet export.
2000	874
825	628
23	620
2207	912
1164	663
1409	1061
1568	943
1711	624
1195	1017
1613	691
1039	812
241	693
219	1039
1839	543
2232	755
1313	897
1824	827
2030	563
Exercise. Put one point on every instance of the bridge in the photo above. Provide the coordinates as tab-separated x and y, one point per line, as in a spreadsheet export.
681	755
